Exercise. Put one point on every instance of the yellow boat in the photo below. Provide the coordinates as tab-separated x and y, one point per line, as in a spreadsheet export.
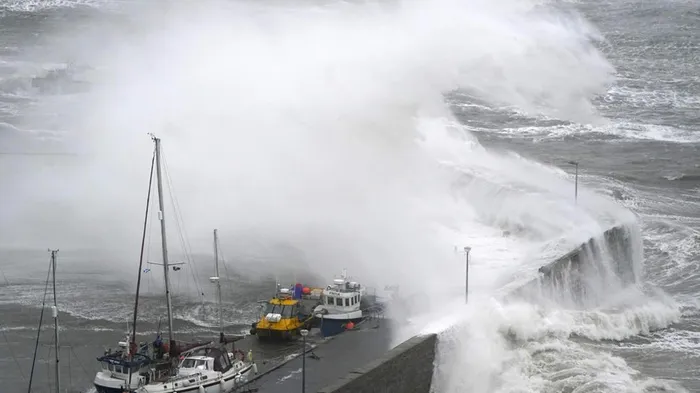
286	314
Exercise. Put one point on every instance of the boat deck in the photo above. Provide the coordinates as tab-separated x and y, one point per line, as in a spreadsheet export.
326	360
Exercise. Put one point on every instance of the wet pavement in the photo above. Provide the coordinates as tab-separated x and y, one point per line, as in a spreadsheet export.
327	360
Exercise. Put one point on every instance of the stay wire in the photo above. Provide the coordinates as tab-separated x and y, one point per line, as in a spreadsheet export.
229	281
7	341
7	282
148	248
48	369
143	244
70	374
77	359
181	231
9	349
179	222
38	332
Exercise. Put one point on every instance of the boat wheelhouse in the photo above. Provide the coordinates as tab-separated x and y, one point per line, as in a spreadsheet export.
341	304
121	372
289	311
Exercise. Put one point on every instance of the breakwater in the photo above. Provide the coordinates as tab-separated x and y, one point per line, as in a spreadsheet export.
577	277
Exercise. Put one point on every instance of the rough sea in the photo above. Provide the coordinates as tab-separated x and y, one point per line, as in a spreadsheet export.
310	132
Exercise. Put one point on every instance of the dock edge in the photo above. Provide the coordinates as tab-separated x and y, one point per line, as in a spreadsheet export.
407	368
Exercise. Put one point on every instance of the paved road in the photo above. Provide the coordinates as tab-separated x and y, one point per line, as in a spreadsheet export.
329	361
268	355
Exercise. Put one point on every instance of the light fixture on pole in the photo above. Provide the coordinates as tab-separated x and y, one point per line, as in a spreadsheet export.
466	275
575	163
304	333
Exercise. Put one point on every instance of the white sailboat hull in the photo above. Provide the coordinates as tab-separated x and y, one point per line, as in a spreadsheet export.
204	382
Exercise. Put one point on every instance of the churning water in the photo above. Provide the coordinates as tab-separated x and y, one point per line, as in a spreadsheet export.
377	136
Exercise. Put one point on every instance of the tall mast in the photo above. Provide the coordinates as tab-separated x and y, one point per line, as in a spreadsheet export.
161	216
133	348
54	311
218	281
38	330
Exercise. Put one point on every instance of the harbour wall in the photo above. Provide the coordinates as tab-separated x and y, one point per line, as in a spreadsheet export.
603	261
582	276
407	368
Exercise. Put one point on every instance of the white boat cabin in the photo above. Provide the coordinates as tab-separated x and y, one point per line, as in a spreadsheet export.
193	364
343	296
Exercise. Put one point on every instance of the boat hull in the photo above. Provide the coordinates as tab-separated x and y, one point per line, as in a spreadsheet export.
105	389
223	385
331	325
272	334
287	329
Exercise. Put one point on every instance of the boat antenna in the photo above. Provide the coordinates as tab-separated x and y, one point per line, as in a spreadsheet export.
54	311
218	284
133	348
163	237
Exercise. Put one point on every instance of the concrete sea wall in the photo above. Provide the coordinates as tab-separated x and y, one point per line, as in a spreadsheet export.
408	368
577	276
582	275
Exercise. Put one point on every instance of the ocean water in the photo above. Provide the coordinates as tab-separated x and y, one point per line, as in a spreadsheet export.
381	137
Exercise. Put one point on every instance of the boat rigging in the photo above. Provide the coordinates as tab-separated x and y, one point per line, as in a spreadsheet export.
169	367
54	312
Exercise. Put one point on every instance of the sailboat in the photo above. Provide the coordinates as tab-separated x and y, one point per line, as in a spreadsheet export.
169	366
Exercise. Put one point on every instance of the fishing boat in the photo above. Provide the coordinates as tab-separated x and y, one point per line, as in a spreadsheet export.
287	312
341	306
170	366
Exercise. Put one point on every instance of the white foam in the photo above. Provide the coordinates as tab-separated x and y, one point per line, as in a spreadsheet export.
623	129
491	346
646	99
684	342
40	5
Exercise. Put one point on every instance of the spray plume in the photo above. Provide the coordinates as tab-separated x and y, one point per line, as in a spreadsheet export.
323	126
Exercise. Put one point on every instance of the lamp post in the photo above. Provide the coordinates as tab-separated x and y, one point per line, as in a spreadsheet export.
466	275
575	163
304	333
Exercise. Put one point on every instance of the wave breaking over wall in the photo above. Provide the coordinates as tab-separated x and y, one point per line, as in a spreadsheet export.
545	335
579	277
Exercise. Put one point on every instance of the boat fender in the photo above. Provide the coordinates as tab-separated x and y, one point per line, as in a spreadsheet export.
201	389
255	368
222	383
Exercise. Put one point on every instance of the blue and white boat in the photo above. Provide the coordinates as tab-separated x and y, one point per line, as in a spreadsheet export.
340	304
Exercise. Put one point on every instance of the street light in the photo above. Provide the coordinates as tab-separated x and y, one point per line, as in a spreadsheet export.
466	275
304	333
575	163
